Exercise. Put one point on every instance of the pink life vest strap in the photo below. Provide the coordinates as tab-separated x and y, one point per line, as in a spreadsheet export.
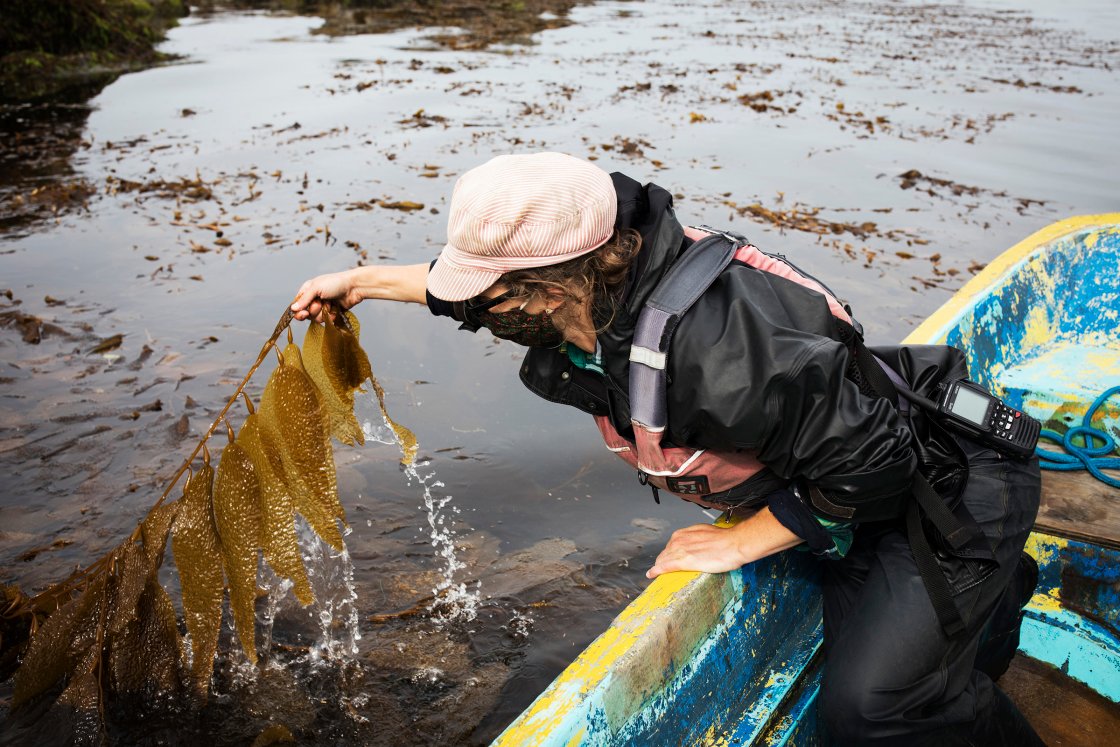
690	473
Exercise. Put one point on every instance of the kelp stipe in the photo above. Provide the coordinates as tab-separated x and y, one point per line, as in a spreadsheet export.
110	629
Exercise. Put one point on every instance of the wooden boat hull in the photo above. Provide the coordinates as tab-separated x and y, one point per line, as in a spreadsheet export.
734	659
1041	323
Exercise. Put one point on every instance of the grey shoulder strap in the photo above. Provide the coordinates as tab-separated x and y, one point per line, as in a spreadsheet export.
682	285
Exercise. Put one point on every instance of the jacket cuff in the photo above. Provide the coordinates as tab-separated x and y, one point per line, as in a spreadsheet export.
792	513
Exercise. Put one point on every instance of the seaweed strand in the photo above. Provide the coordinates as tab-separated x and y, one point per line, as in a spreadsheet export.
281	325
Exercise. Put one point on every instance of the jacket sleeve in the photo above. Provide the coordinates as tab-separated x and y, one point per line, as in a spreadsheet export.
853	453
758	380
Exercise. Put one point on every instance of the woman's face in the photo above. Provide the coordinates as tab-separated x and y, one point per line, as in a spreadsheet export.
574	328
529	304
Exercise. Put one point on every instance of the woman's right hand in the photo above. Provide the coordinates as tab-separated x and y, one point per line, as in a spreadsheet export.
336	286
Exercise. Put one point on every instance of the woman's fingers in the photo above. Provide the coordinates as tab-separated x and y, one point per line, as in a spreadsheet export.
308	303
701	547
305	297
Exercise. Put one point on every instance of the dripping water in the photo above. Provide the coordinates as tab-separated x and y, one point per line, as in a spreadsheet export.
335	608
452	601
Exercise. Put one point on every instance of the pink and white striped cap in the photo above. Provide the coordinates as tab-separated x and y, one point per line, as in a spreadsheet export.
520	211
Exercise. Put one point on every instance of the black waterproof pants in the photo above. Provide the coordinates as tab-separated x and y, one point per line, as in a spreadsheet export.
891	674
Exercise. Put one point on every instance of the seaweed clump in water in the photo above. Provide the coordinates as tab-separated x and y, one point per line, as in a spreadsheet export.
109	632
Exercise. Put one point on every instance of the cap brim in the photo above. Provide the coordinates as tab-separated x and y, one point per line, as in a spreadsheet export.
450	281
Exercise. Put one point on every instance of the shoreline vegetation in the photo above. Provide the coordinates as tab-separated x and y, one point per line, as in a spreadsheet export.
47	48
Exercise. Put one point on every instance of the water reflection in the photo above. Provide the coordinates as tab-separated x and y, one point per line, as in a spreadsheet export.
42	139
886	147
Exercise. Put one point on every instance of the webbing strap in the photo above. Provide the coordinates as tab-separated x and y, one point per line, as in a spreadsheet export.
936	586
955	533
688	278
949	526
691	275
874	374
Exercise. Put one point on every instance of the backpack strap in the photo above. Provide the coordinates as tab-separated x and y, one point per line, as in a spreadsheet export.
682	285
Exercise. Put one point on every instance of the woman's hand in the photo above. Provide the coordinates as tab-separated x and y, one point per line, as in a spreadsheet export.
701	547
348	288
715	549
336	286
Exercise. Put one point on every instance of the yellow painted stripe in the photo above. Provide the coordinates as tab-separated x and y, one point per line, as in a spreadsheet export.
540	723
932	330
564	698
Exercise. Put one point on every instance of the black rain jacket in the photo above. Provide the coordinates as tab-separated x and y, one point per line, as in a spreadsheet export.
760	363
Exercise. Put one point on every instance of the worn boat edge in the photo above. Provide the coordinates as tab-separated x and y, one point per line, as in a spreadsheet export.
935	327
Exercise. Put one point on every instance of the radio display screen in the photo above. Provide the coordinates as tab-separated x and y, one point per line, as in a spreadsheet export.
970	405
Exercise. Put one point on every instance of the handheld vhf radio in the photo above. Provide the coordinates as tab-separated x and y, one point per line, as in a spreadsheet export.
970	409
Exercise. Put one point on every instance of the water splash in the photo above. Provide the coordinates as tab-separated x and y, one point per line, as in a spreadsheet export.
335	609
277	589
452	601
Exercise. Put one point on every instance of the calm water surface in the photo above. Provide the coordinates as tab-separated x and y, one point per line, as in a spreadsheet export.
793	122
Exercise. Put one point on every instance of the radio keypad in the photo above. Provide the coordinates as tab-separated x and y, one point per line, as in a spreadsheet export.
1003	420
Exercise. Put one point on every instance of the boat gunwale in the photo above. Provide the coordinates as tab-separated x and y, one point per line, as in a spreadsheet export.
935	328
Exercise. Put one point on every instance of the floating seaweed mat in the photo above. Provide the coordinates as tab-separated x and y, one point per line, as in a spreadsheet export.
111	629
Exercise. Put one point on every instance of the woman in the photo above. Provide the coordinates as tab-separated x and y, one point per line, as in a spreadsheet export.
767	374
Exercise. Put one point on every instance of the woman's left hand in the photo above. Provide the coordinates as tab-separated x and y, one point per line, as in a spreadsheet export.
701	547
715	549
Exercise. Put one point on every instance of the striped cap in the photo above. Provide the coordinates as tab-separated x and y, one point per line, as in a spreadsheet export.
520	211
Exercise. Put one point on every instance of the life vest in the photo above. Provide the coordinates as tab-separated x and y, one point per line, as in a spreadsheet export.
712	478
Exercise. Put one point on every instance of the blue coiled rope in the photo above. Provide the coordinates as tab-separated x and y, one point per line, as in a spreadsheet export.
1086	456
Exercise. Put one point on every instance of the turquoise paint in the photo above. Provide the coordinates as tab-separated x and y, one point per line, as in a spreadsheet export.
1083	649
1083	370
1073	622
799	727
1047	333
740	679
751	664
773	707
1082	577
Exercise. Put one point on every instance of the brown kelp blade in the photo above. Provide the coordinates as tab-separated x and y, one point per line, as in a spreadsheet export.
405	437
133	562
346	363
128	572
339	403
75	718
147	655
106	606
196	546
61	642
292	417
329	492
155	529
237	516
278	530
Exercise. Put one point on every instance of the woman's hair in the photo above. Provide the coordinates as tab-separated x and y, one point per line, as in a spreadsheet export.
598	276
